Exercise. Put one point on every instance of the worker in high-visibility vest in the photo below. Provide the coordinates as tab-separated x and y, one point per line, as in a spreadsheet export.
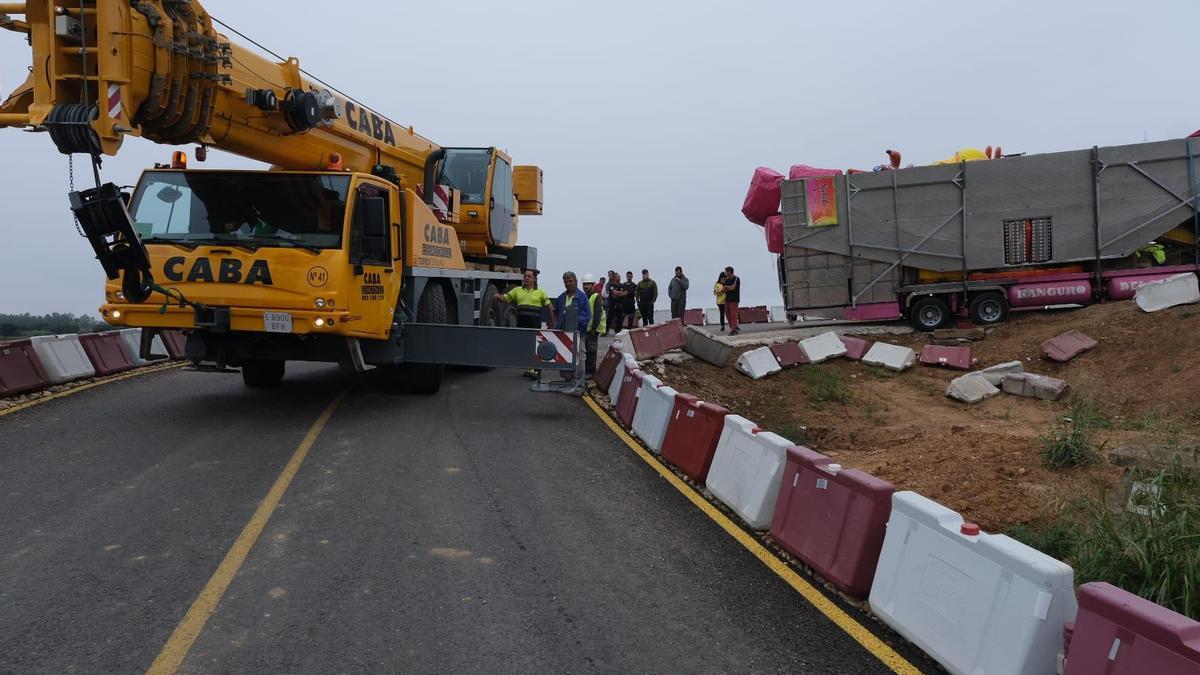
529	302
597	325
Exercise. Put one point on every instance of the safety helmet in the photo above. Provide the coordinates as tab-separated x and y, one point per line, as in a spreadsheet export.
589	279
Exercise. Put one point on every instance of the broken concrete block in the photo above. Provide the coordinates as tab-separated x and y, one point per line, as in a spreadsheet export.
1067	346
856	348
958	358
675	358
1035	386
1181	289
707	348
758	363
971	388
892	357
823	347
995	374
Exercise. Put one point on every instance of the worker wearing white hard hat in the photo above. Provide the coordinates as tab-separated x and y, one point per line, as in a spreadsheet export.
596	326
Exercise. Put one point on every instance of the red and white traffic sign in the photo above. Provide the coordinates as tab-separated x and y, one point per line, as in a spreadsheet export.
563	342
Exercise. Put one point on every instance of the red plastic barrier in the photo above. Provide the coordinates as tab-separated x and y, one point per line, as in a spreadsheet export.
175	343
607	368
789	354
833	519
759	314
106	352
1119	633
856	348
762	199
646	343
949	357
692	435
774	232
20	369
1067	346
631	391
693	317
671	335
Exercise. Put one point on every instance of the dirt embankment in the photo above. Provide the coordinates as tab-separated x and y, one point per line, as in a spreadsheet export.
984	460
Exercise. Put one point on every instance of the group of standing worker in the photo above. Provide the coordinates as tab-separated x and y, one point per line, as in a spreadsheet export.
610	303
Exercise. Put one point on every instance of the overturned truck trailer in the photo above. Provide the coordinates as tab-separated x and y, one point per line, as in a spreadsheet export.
977	239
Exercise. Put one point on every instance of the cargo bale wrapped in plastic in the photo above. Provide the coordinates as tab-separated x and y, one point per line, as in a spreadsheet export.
746	470
975	602
20	369
692	434
832	518
774	233
762	199
1121	633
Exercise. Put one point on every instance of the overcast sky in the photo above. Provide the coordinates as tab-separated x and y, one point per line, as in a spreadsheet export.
648	118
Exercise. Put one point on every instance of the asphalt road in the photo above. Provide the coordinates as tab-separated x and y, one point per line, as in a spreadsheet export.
483	529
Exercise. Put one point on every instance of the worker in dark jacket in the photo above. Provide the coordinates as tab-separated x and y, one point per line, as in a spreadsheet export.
677	292
629	291
573	297
647	293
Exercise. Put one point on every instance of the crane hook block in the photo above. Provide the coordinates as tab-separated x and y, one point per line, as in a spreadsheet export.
109	229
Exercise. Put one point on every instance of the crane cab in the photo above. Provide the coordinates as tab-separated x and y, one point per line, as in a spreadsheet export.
492	193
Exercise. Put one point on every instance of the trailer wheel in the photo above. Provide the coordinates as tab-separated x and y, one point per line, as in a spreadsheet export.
928	313
261	373
989	308
426	378
491	309
508	316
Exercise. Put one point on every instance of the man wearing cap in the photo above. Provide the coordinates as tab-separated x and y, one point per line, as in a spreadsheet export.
596	326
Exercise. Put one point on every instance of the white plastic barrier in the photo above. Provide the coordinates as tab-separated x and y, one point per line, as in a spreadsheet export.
653	412
712	317
971	388
823	347
131	342
62	357
746	470
779	314
1181	289
978	603
892	357
615	388
758	363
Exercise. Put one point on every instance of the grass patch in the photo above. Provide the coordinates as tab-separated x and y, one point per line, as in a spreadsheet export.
879	372
1065	447
1086	411
825	385
794	432
1057	541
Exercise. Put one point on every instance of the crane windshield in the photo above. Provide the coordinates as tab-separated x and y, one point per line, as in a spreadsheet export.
466	170
241	208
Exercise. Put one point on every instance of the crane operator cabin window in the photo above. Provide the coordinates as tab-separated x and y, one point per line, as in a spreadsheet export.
467	172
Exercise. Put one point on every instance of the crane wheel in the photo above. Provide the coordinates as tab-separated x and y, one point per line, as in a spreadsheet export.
426	378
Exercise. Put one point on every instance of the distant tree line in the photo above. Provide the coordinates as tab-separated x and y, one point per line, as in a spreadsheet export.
25	325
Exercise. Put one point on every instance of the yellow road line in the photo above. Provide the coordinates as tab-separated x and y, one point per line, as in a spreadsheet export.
817	599
185	634
84	387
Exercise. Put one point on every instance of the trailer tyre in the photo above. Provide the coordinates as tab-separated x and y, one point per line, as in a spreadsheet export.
262	374
492	308
989	308
929	313
426	378
508	316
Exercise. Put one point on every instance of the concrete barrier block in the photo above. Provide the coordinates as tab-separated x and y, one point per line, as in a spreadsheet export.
1180	289
892	357
1067	346
971	388
758	363
746	470
62	357
653	412
976	602
821	348
995	374
1035	386
706	347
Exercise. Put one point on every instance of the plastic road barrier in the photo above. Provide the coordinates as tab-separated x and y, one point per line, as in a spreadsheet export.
671	335
631	392
654	408
856	348
779	314
758	363
892	357
758	314
746	470
106	351
693	317
1181	289
607	367
1034	386
626	363
62	357
1067	346
995	374
1119	633
175	342
20	369
823	347
958	358
645	342
692	434
976	602
131	340
971	388
832	518
788	354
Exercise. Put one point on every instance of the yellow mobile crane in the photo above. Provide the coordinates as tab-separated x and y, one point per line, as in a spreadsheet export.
364	244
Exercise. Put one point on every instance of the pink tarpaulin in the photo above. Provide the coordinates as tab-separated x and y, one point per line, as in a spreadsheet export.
801	171
774	231
762	199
